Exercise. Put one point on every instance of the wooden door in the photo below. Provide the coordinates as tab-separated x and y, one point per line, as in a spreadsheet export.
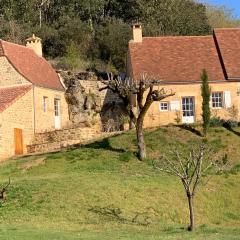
18	138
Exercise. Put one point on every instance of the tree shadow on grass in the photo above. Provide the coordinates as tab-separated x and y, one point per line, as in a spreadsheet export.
190	129
230	129
104	144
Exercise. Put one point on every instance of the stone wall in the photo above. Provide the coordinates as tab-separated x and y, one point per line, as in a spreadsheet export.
93	86
155	117
13	118
9	75
65	138
45	121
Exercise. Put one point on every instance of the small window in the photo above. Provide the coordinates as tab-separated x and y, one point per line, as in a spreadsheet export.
217	99
164	106
45	101
57	107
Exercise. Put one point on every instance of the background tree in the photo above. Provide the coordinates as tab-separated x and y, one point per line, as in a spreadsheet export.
205	92
190	169
221	17
141	94
97	26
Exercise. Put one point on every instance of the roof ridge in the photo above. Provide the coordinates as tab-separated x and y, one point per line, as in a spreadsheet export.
206	36
17	45
16	86
234	28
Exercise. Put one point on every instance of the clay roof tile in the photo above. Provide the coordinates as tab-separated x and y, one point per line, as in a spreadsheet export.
34	68
9	95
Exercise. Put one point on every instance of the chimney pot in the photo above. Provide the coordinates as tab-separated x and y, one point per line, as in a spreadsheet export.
137	33
35	43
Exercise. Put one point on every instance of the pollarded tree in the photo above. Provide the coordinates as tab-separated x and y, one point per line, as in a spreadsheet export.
206	92
191	169
145	93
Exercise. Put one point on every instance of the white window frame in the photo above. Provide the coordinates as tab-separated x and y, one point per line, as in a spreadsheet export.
45	104
57	107
164	106
218	104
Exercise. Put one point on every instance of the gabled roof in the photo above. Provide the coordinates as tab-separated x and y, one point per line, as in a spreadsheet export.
228	40
9	95
34	68
182	58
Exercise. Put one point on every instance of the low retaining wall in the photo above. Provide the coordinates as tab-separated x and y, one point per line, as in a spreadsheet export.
65	138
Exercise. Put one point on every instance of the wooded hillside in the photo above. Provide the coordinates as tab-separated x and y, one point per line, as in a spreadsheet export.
92	34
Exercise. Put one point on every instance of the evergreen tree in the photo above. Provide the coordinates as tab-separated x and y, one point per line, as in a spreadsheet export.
206	113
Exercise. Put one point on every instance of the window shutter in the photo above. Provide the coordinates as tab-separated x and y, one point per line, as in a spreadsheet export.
175	105
227	99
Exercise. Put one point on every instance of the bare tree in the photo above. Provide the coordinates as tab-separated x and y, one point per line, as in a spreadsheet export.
201	161
144	93
41	4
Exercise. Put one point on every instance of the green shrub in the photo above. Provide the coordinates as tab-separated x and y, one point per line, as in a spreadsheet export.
216	122
230	123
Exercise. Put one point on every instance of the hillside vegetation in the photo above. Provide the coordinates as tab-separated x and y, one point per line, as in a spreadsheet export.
101	191
94	34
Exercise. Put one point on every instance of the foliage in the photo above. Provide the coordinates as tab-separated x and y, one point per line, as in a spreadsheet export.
221	17
216	122
230	123
100	28
205	92
233	112
177	119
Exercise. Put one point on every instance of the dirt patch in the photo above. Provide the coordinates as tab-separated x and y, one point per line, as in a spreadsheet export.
34	163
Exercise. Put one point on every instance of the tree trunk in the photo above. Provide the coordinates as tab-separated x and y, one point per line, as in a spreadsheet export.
140	140
191	212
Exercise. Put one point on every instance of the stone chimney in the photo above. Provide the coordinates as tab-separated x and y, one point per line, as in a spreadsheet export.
35	44
137	33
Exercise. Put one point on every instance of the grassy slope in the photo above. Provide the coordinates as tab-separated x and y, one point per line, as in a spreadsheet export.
52	201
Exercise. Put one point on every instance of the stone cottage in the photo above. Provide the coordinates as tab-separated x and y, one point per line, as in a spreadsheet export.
178	61
31	96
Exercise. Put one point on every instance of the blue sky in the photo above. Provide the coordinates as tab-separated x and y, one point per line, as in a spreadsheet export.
231	4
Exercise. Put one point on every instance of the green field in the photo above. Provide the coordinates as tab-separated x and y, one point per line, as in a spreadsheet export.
101	191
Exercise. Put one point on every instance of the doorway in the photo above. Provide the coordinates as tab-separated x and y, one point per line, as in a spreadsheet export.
18	140
188	109
57	113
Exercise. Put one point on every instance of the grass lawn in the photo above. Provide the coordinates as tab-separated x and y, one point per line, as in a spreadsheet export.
101	191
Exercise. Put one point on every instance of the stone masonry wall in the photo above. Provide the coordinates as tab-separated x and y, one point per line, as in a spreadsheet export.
9	75
155	117
45	120
93	86
59	139
13	118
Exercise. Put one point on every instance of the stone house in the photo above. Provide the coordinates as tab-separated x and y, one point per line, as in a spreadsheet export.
178	61
31	96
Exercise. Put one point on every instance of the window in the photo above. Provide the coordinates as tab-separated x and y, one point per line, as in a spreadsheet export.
163	106
188	106
45	100
57	107
217	99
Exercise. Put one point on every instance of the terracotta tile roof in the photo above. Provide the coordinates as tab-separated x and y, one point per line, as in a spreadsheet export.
228	41
179	59
1	49
9	95
34	68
